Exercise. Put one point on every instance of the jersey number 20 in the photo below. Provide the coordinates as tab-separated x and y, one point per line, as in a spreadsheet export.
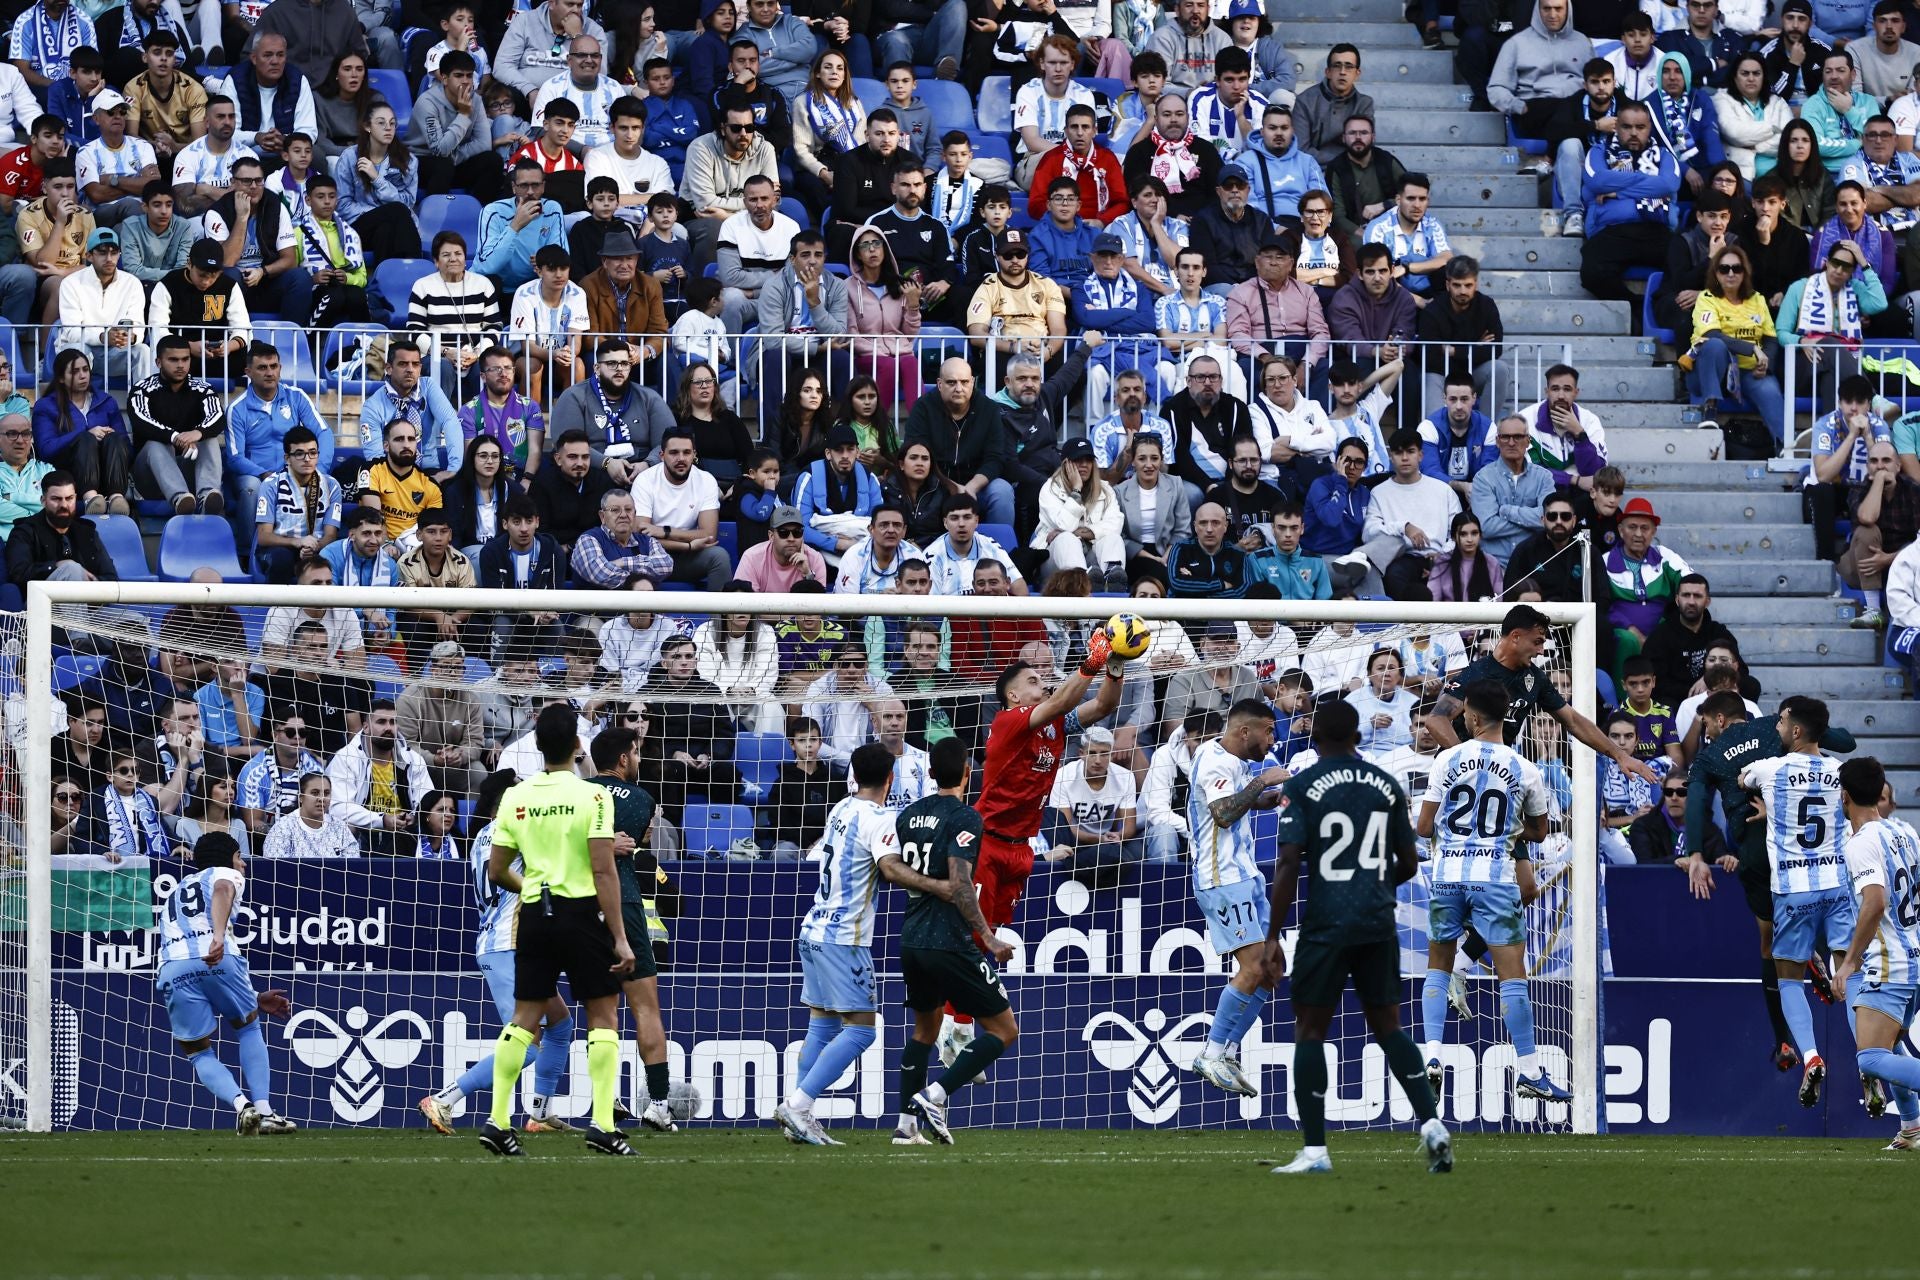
1336	833
1487	819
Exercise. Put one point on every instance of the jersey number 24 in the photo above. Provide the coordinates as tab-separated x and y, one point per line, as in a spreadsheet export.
1336	834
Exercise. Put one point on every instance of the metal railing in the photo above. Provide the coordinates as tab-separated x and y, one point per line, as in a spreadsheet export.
1891	365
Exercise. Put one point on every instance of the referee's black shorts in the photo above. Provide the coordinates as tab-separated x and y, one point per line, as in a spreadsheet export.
573	940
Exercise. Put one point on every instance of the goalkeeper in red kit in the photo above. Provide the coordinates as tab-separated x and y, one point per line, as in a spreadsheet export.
1025	745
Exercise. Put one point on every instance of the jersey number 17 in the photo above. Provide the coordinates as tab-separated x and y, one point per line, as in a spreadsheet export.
1336	834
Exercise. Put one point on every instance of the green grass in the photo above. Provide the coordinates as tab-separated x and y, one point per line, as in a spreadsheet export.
1005	1205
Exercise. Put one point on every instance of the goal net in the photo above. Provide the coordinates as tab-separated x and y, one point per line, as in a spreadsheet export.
142	716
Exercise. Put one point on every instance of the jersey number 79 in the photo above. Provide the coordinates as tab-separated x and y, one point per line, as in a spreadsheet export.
1336	834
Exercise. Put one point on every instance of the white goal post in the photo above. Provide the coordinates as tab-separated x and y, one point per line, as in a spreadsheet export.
44	599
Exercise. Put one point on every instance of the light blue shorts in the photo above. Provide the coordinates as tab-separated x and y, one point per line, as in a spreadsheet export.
837	977
1493	909
198	996
1802	921
1237	914
1895	999
497	966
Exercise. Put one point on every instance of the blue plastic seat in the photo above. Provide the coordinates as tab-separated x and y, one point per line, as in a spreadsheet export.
459	213
339	337
873	94
1525	146
196	542
477	670
996	105
951	107
990	146
392	85
393	280
295	345
942	341
388	680
1002	534
727	538
121	537
712	828
758	757
1647	322
70	669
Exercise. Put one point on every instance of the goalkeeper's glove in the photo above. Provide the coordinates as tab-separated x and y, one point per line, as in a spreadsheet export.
1099	651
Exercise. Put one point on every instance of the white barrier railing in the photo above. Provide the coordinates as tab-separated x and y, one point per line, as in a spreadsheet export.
1820	382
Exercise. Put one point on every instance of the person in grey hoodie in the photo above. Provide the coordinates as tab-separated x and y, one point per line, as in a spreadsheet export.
1538	68
808	303
153	245
317	32
1320	114
534	50
917	134
449	133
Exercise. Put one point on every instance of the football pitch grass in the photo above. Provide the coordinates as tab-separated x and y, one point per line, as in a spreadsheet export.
1004	1204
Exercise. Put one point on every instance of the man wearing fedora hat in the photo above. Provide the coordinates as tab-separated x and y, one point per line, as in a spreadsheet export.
624	300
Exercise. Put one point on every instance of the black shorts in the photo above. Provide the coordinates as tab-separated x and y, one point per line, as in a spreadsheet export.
1321	970
573	940
639	939
1756	877
966	980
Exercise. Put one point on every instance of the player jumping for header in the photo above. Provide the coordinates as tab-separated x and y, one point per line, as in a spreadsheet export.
1025	745
1881	970
1480	796
1347	821
203	977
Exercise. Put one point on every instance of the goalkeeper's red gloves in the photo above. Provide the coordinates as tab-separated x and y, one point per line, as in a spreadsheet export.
1099	650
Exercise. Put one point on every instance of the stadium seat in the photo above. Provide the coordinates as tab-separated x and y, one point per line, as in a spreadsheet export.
951	107
1002	534
10	348
121	537
459	213
355	379
1102	86
389	681
1525	146
873	94
758	757
194	542
712	828
70	669
295	346
991	146
393	86
942	341
996	105
393	281
1647	322
477	670
793	209
727	538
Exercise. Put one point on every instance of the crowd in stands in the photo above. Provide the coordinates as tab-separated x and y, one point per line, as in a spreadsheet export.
1189	330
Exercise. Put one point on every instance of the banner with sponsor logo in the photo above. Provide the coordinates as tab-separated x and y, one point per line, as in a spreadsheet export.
1114	990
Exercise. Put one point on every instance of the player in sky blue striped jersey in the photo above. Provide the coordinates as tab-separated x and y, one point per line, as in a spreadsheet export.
203	978
1806	837
1484	802
493	951
1880	971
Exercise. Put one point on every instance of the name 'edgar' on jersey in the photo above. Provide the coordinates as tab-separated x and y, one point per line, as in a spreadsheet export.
1221	855
1485	792
1886	852
859	834
1806	821
499	925
186	924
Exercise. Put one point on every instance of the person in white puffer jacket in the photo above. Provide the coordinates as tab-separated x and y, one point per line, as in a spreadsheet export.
1080	520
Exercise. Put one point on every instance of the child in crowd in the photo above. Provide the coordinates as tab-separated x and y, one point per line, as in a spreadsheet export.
1133	109
1653	723
588	234
458	27
699	335
667	256
917	135
510	132
289	182
71	96
974	247
952	196
673	122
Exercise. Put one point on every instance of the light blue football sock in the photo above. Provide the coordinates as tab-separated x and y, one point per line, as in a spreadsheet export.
214	1075
1516	1010
255	1067
1907	1103
832	1061
1227	1017
476	1077
821	1030
1256	1000
1894	1068
1793	1003
1433	1006
550	1059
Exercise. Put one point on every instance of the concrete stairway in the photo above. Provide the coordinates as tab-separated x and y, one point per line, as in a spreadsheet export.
1735	522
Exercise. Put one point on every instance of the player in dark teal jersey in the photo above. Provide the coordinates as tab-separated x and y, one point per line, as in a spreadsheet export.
1523	634
940	959
1347	821
616	757
1735	741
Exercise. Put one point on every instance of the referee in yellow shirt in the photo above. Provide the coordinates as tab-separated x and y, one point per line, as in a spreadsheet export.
561	828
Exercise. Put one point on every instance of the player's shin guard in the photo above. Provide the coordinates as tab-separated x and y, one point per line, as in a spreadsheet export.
1433	1009
833	1061
1793	1003
1310	1090
509	1055
1403	1059
913	1070
1229	1018
821	1029
255	1068
973	1059
214	1075
603	1069
1516	1010
1770	988
1892	1067
550	1059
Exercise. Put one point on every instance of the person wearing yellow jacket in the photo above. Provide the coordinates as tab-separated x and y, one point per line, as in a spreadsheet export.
1734	342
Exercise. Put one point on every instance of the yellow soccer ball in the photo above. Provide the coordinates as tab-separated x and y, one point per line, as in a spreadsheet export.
1128	635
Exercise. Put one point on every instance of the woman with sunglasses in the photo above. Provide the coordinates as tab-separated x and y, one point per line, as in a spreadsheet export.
1734	344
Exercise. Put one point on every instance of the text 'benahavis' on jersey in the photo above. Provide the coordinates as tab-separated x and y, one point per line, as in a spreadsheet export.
932	833
1527	688
1485	792
1350	816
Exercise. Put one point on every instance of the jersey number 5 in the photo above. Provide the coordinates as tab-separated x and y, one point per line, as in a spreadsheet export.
1813	822
1336	833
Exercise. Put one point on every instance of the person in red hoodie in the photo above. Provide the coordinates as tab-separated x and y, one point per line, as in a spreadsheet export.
1103	189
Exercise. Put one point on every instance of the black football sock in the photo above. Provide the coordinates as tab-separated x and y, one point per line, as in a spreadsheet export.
1310	1090
913	1070
658	1082
973	1059
1403	1059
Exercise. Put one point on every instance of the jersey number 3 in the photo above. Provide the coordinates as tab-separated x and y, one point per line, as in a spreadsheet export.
1336	833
